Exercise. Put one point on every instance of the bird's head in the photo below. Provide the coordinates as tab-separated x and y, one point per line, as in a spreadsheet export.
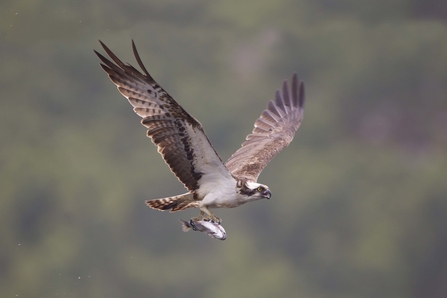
255	191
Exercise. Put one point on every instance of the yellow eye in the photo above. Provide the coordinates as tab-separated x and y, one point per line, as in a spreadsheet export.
260	188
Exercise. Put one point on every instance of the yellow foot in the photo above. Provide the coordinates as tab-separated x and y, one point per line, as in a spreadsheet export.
198	218
213	218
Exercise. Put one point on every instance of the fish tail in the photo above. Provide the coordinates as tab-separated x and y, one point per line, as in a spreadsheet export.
185	226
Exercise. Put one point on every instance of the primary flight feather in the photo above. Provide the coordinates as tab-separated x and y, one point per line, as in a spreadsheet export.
184	146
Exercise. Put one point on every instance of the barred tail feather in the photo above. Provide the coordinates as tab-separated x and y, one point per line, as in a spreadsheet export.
176	203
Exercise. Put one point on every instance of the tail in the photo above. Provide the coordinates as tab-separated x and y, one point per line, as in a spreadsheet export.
186	226
177	203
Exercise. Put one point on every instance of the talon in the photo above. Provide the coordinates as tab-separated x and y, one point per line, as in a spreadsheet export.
213	219
198	218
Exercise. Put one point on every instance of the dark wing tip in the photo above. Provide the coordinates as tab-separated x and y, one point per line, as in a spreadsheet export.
298	95
102	44
111	55
286	94
140	62
293	97
101	57
302	95
120	67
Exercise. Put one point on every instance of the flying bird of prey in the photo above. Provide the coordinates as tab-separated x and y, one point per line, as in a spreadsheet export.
184	146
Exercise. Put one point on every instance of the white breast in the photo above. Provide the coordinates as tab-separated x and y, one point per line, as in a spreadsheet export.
220	193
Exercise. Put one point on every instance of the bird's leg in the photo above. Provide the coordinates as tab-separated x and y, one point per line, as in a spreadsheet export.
198	218
209	217
213	218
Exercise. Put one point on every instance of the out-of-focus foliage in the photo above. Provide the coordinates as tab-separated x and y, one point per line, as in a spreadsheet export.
360	197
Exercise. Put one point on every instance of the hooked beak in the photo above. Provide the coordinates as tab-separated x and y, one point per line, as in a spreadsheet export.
267	194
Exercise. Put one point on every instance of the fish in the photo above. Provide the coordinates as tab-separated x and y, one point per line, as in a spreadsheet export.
211	228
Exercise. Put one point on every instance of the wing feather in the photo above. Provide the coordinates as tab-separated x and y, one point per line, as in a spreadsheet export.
273	131
180	138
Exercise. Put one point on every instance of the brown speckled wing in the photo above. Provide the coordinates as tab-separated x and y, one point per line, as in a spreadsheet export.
179	137
274	130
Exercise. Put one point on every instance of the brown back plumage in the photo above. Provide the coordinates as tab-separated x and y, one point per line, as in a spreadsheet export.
274	130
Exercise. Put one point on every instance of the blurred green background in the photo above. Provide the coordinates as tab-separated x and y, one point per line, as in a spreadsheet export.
359	206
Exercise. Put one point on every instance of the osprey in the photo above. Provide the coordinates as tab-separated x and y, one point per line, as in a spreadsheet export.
184	146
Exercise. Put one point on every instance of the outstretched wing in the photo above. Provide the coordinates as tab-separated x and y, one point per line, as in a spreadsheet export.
180	138
273	131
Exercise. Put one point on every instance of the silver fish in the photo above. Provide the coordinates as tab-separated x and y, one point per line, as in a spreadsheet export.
211	228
